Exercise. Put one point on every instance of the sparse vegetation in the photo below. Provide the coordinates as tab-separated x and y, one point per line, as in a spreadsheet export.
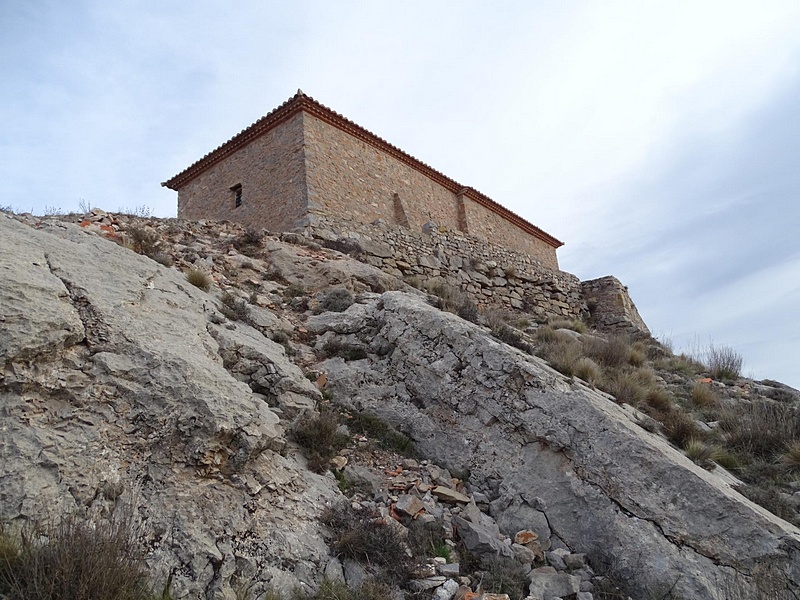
572	324
337	300
199	279
74	558
234	308
452	299
343	349
144	241
366	537
320	438
505	576
723	362
249	242
703	395
374	427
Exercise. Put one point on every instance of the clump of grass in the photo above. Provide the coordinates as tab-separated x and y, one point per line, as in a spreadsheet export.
370	589
376	428
700	453
588	370
74	558
234	308
366	537
573	324
337	300
428	539
680	428
703	395
453	300
612	352
563	353
628	387
681	365
659	399
199	279
497	321
320	438
791	457
760	429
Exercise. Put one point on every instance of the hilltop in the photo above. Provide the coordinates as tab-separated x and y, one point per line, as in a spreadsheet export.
275	415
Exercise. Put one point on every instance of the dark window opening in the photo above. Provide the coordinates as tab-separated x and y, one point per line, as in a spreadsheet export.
237	195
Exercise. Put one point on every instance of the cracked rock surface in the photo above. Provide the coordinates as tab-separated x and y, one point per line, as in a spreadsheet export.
544	449
115	390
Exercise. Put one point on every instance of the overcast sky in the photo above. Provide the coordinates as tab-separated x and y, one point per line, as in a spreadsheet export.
659	140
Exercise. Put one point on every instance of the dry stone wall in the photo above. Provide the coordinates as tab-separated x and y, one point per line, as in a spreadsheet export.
490	274
611	306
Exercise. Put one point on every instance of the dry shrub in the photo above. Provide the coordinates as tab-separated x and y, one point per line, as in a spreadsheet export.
498	322
613	352
234	308
366	537
249	242
505	575
453	300
320	438
681	365
145	241
704	396
563	354
761	429
199	279
723	362
337	300
370	589
700	453
680	428
74	558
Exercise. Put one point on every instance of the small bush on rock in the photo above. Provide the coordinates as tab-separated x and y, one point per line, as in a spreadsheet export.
320	438
234	308
337	300
249	243
199	278
505	575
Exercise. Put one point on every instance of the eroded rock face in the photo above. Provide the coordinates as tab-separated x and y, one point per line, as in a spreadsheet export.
115	391
544	449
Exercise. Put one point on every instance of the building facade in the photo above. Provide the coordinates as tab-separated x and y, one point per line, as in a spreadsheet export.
304	160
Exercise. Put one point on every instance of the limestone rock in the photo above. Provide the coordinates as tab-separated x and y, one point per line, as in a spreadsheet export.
542	444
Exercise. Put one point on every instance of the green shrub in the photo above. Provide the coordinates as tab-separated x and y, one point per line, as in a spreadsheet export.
376	428
199	278
337	300
723	362
338	347
320	438
74	558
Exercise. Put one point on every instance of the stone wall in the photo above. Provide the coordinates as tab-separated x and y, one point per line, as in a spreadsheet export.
271	171
490	274
352	179
611	306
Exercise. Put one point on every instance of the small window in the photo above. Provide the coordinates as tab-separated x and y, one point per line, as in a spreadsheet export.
237	195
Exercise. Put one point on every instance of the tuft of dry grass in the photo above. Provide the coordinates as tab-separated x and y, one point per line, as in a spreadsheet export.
723	362
320	438
613	352
573	324
588	370
199	279
629	387
700	453
791	457
680	428
760	429
704	396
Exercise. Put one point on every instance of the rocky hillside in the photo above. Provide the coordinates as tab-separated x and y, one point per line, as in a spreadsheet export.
275	416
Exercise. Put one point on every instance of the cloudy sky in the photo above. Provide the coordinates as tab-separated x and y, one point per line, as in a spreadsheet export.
659	140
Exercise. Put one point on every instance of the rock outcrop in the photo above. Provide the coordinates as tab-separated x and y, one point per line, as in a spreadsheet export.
115	390
549	451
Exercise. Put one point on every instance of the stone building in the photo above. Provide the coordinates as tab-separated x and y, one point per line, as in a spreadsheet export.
303	161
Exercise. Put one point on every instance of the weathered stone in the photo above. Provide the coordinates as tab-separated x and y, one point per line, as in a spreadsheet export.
547	586
480	540
446	591
449	495
409	505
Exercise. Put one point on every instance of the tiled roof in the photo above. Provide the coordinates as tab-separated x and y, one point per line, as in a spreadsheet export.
302	102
